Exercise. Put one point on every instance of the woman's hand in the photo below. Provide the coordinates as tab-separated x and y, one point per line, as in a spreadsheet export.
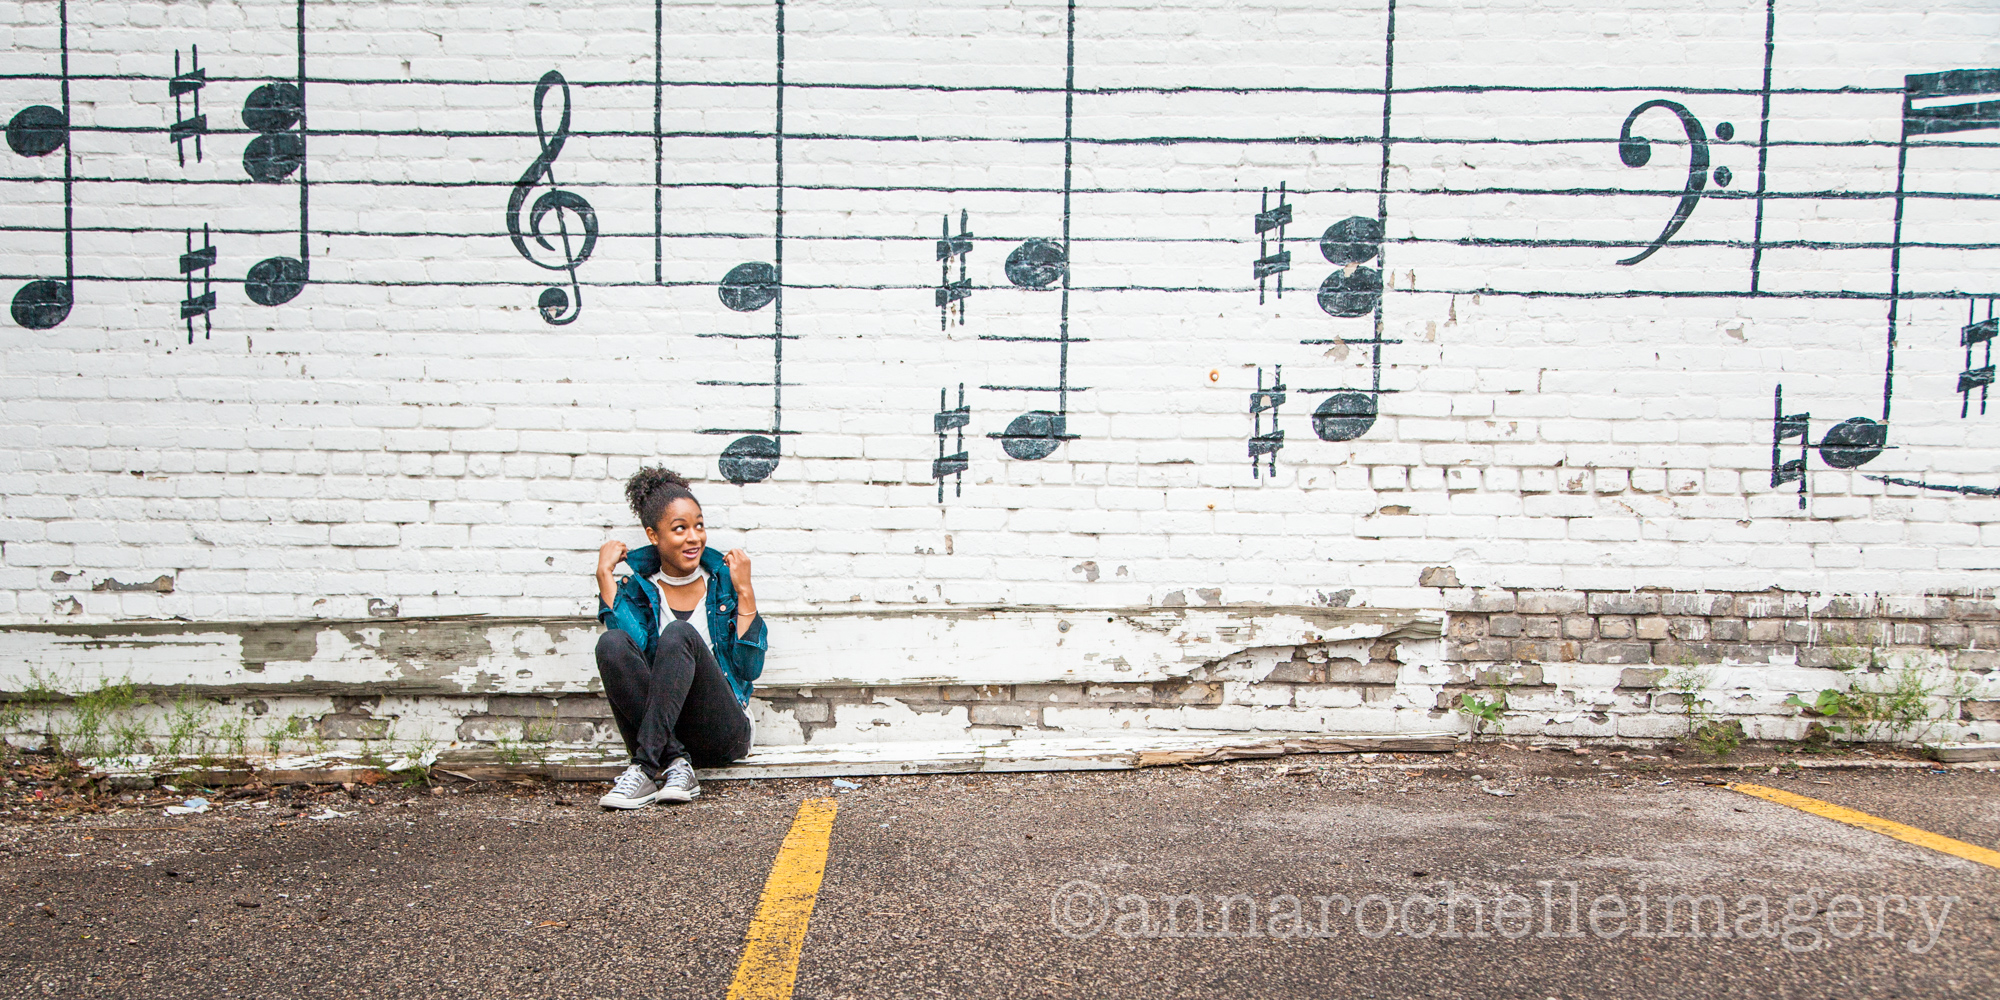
608	556
738	562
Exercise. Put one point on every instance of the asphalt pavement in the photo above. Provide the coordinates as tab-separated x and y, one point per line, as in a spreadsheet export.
1501	872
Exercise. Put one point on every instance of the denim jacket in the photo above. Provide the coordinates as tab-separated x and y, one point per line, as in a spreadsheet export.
637	609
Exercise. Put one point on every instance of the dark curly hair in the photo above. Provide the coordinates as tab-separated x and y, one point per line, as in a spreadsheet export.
651	489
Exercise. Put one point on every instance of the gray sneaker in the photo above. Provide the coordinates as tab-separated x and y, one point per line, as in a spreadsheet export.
678	784
632	790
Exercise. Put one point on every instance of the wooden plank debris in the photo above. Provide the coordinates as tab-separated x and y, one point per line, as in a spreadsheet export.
860	759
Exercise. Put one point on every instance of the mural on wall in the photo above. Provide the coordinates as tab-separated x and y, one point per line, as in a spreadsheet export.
35	131
557	229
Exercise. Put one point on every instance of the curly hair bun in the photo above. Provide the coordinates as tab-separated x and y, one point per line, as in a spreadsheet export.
651	489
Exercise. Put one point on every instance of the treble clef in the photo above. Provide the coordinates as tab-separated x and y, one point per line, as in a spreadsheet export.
557	306
1637	150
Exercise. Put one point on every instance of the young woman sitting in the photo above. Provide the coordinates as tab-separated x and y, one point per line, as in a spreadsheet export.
683	641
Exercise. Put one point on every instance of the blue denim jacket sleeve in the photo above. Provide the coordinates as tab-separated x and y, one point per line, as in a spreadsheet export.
628	613
749	652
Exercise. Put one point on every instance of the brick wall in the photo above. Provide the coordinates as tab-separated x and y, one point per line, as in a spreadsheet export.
1571	454
1669	627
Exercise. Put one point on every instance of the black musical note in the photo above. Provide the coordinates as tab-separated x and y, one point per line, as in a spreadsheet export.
949	292
1859	440
1850	444
1345	415
1637	151
1268	219
1039	264
1034	435
1976	332
1353	290
192	305
38	130
1263	442
188	84
1036	264
1936	119
748	287
751	286
558	307
956	463
749	459
277	112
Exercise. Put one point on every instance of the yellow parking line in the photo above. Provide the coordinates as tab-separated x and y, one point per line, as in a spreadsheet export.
1888	828
771	946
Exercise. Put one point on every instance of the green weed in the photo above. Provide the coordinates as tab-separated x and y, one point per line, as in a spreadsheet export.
1716	737
1701	729
185	724
1904	707
92	713
1481	713
38	692
294	727
235	735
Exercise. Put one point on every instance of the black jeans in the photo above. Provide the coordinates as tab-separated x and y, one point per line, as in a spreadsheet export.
678	704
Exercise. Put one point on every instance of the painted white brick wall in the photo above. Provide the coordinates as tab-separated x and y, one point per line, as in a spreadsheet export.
409	434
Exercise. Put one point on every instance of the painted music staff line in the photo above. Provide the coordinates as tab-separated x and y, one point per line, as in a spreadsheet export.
1219	288
1216	288
751	286
35	131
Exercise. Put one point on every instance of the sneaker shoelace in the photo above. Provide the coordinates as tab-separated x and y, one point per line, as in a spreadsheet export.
680	772
631	781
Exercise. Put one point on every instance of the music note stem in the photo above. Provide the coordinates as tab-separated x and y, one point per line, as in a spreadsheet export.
69	166
1069	168
1895	269
778	241
1382	187
305	247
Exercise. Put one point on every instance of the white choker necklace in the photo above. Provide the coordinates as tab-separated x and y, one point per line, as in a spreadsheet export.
679	581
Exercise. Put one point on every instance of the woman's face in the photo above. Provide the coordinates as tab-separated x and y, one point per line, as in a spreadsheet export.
681	536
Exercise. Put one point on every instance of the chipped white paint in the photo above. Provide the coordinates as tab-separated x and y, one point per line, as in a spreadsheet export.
1001	646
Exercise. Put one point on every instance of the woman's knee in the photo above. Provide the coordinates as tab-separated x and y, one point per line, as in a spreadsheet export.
614	646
